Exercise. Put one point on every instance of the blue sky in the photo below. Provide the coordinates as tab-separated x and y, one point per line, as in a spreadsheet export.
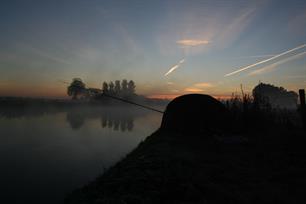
44	42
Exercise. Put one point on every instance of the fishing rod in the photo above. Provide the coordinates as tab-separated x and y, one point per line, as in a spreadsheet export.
133	103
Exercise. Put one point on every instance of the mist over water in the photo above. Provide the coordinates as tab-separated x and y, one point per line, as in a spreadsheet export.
46	154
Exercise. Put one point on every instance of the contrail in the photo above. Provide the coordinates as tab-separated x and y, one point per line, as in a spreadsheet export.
254	56
182	61
274	65
175	66
263	61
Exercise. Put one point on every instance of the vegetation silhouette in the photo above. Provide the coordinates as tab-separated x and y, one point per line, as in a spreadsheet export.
207	152
302	108
266	95
267	108
244	150
122	89
76	88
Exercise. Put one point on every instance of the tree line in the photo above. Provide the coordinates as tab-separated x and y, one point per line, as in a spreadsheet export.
77	89
119	88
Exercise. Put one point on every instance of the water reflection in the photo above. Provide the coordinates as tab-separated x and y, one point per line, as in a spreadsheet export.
112	118
118	123
116	118
76	120
46	151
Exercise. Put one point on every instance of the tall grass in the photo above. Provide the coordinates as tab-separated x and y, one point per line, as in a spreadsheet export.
253	115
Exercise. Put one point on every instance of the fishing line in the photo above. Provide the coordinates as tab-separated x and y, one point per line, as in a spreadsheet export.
133	103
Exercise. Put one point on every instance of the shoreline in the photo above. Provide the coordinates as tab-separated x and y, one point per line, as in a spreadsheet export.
22	101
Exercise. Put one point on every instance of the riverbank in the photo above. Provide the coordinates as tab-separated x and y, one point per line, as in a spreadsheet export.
266	167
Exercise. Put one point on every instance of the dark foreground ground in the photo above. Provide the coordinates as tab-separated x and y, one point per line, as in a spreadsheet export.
203	167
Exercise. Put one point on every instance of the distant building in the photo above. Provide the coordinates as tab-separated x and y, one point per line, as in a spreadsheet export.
92	92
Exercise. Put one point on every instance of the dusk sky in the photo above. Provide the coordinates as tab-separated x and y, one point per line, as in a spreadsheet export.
167	47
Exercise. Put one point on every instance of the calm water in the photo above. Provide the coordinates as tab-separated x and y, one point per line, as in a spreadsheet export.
45	154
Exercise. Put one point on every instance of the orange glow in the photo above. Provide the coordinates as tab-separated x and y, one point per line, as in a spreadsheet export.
59	91
172	96
163	96
193	90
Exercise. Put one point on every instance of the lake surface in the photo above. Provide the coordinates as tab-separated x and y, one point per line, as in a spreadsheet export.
45	154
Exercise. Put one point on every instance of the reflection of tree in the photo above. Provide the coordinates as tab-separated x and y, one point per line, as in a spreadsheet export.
116	125
103	123
110	124
130	125
117	122
75	119
113	117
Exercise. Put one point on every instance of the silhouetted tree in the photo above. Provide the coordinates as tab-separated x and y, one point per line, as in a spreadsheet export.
124	87
267	95
117	87
76	88
120	88
111	87
131	87
105	87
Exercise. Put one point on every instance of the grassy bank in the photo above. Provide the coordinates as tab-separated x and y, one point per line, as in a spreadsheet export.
264	167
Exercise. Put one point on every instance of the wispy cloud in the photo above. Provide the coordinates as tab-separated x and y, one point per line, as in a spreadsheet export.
296	77
276	64
204	85
203	29
191	89
199	87
254	56
229	33
175	67
174	90
264	61
47	55
192	42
